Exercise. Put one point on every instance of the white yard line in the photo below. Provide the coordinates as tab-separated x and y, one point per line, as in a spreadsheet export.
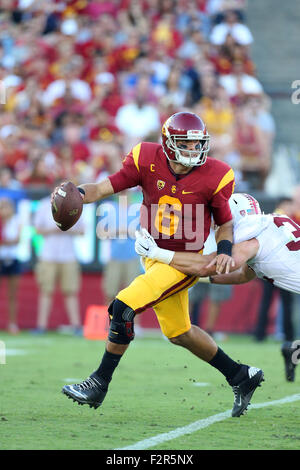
201	424
15	352
12	342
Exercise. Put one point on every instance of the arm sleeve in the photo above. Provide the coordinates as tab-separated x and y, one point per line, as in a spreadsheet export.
129	175
219	203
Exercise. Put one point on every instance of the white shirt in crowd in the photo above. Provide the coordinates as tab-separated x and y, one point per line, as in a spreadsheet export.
10	231
137	122
58	247
240	32
80	90
250	85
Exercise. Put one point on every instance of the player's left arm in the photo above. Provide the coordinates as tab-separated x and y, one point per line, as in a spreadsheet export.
223	260
224	239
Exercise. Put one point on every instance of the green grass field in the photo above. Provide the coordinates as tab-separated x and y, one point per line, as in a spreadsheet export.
153	391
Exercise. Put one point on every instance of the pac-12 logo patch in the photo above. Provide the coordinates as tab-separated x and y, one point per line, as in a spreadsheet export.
160	184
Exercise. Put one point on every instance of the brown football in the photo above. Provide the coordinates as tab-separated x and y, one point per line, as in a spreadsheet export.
66	206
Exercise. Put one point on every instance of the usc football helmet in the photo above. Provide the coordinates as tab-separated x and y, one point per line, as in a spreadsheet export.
190	127
242	205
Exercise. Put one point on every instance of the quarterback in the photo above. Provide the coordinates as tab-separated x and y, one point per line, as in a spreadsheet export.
181	185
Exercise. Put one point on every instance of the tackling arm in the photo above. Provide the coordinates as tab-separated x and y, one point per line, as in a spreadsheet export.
240	276
196	264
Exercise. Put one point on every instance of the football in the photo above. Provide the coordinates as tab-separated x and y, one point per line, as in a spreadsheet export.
66	206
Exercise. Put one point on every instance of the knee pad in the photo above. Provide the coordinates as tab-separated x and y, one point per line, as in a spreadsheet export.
121	329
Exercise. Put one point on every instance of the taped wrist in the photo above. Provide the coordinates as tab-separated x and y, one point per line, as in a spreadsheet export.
224	247
162	255
204	280
81	190
121	329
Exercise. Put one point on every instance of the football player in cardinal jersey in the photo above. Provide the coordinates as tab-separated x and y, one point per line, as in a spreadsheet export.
265	246
182	188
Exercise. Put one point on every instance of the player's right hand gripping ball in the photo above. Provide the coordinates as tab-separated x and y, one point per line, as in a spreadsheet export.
66	205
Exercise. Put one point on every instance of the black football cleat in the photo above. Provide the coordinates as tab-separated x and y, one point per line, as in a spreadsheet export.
287	350
89	392
247	380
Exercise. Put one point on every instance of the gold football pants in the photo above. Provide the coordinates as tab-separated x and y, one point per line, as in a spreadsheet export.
164	289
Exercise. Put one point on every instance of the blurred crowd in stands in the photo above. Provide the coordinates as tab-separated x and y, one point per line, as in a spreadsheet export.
87	80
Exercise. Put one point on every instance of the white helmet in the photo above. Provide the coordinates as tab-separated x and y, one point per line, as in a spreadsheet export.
242	205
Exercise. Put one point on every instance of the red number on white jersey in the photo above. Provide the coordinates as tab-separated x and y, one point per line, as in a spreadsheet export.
293	228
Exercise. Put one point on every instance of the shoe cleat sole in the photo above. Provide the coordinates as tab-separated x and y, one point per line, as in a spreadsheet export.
79	402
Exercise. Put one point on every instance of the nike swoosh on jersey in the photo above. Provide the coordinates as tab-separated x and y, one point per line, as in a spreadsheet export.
187	192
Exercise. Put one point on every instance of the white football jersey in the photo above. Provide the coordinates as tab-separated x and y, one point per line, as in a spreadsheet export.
278	256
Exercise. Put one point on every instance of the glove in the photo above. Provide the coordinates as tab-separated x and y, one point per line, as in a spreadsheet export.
146	246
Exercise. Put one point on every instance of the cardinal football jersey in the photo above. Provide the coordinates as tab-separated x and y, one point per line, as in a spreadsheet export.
177	209
278	256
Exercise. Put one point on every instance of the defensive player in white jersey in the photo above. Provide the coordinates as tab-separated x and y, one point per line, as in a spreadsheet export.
265	245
